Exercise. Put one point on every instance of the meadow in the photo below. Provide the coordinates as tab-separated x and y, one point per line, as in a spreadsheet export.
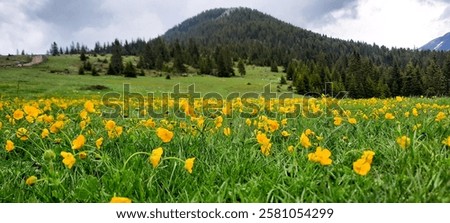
58	145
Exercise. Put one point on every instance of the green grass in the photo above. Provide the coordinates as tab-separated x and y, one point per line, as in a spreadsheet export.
59	77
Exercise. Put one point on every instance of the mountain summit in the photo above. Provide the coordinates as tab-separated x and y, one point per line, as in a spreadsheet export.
249	33
441	43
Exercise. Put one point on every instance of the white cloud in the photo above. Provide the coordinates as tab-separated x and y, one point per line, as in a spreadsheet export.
400	23
19	31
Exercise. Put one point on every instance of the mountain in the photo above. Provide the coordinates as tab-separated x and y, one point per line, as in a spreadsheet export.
261	38
441	43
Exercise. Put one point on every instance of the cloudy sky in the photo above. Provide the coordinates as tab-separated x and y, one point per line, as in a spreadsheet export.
32	25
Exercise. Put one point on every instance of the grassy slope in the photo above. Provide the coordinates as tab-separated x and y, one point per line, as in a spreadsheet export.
50	79
13	60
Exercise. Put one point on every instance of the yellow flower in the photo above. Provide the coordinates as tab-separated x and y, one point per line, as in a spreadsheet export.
164	134
262	138
417	126
189	164
99	142
1	124
89	106
83	125
446	141
120	200
321	156
18	114
31	180
155	157
368	156
56	127
69	160
309	132
149	123
29	119
273	125
227	131
304	141
406	114
45	133
227	109
218	121
119	130
440	116
110	125
415	112
248	122
78	142
361	167
265	148
84	114
337	121
389	116
285	134
290	149
284	122
61	117
352	121
82	155
31	111
264	142
403	141
22	134
9	146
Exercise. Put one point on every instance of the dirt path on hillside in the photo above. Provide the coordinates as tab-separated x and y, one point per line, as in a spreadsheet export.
35	60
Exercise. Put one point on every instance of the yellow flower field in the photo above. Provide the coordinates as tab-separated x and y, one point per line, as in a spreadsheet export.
293	150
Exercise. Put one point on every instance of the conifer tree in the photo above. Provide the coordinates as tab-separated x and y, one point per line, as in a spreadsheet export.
241	68
116	64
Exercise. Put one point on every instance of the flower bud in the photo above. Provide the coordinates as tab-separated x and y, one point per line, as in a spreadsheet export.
49	155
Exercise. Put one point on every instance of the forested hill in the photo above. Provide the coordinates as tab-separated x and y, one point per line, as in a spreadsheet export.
260	38
311	59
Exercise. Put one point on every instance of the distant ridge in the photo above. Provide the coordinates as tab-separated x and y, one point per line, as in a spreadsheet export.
440	44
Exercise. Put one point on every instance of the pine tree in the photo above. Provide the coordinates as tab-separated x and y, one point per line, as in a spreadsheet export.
193	53
241	68
54	51
81	70
434	79
290	72
129	70
274	67
178	59
206	65
412	83
395	80
116	65
94	71
224	62
87	65
83	55
446	73
283	80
